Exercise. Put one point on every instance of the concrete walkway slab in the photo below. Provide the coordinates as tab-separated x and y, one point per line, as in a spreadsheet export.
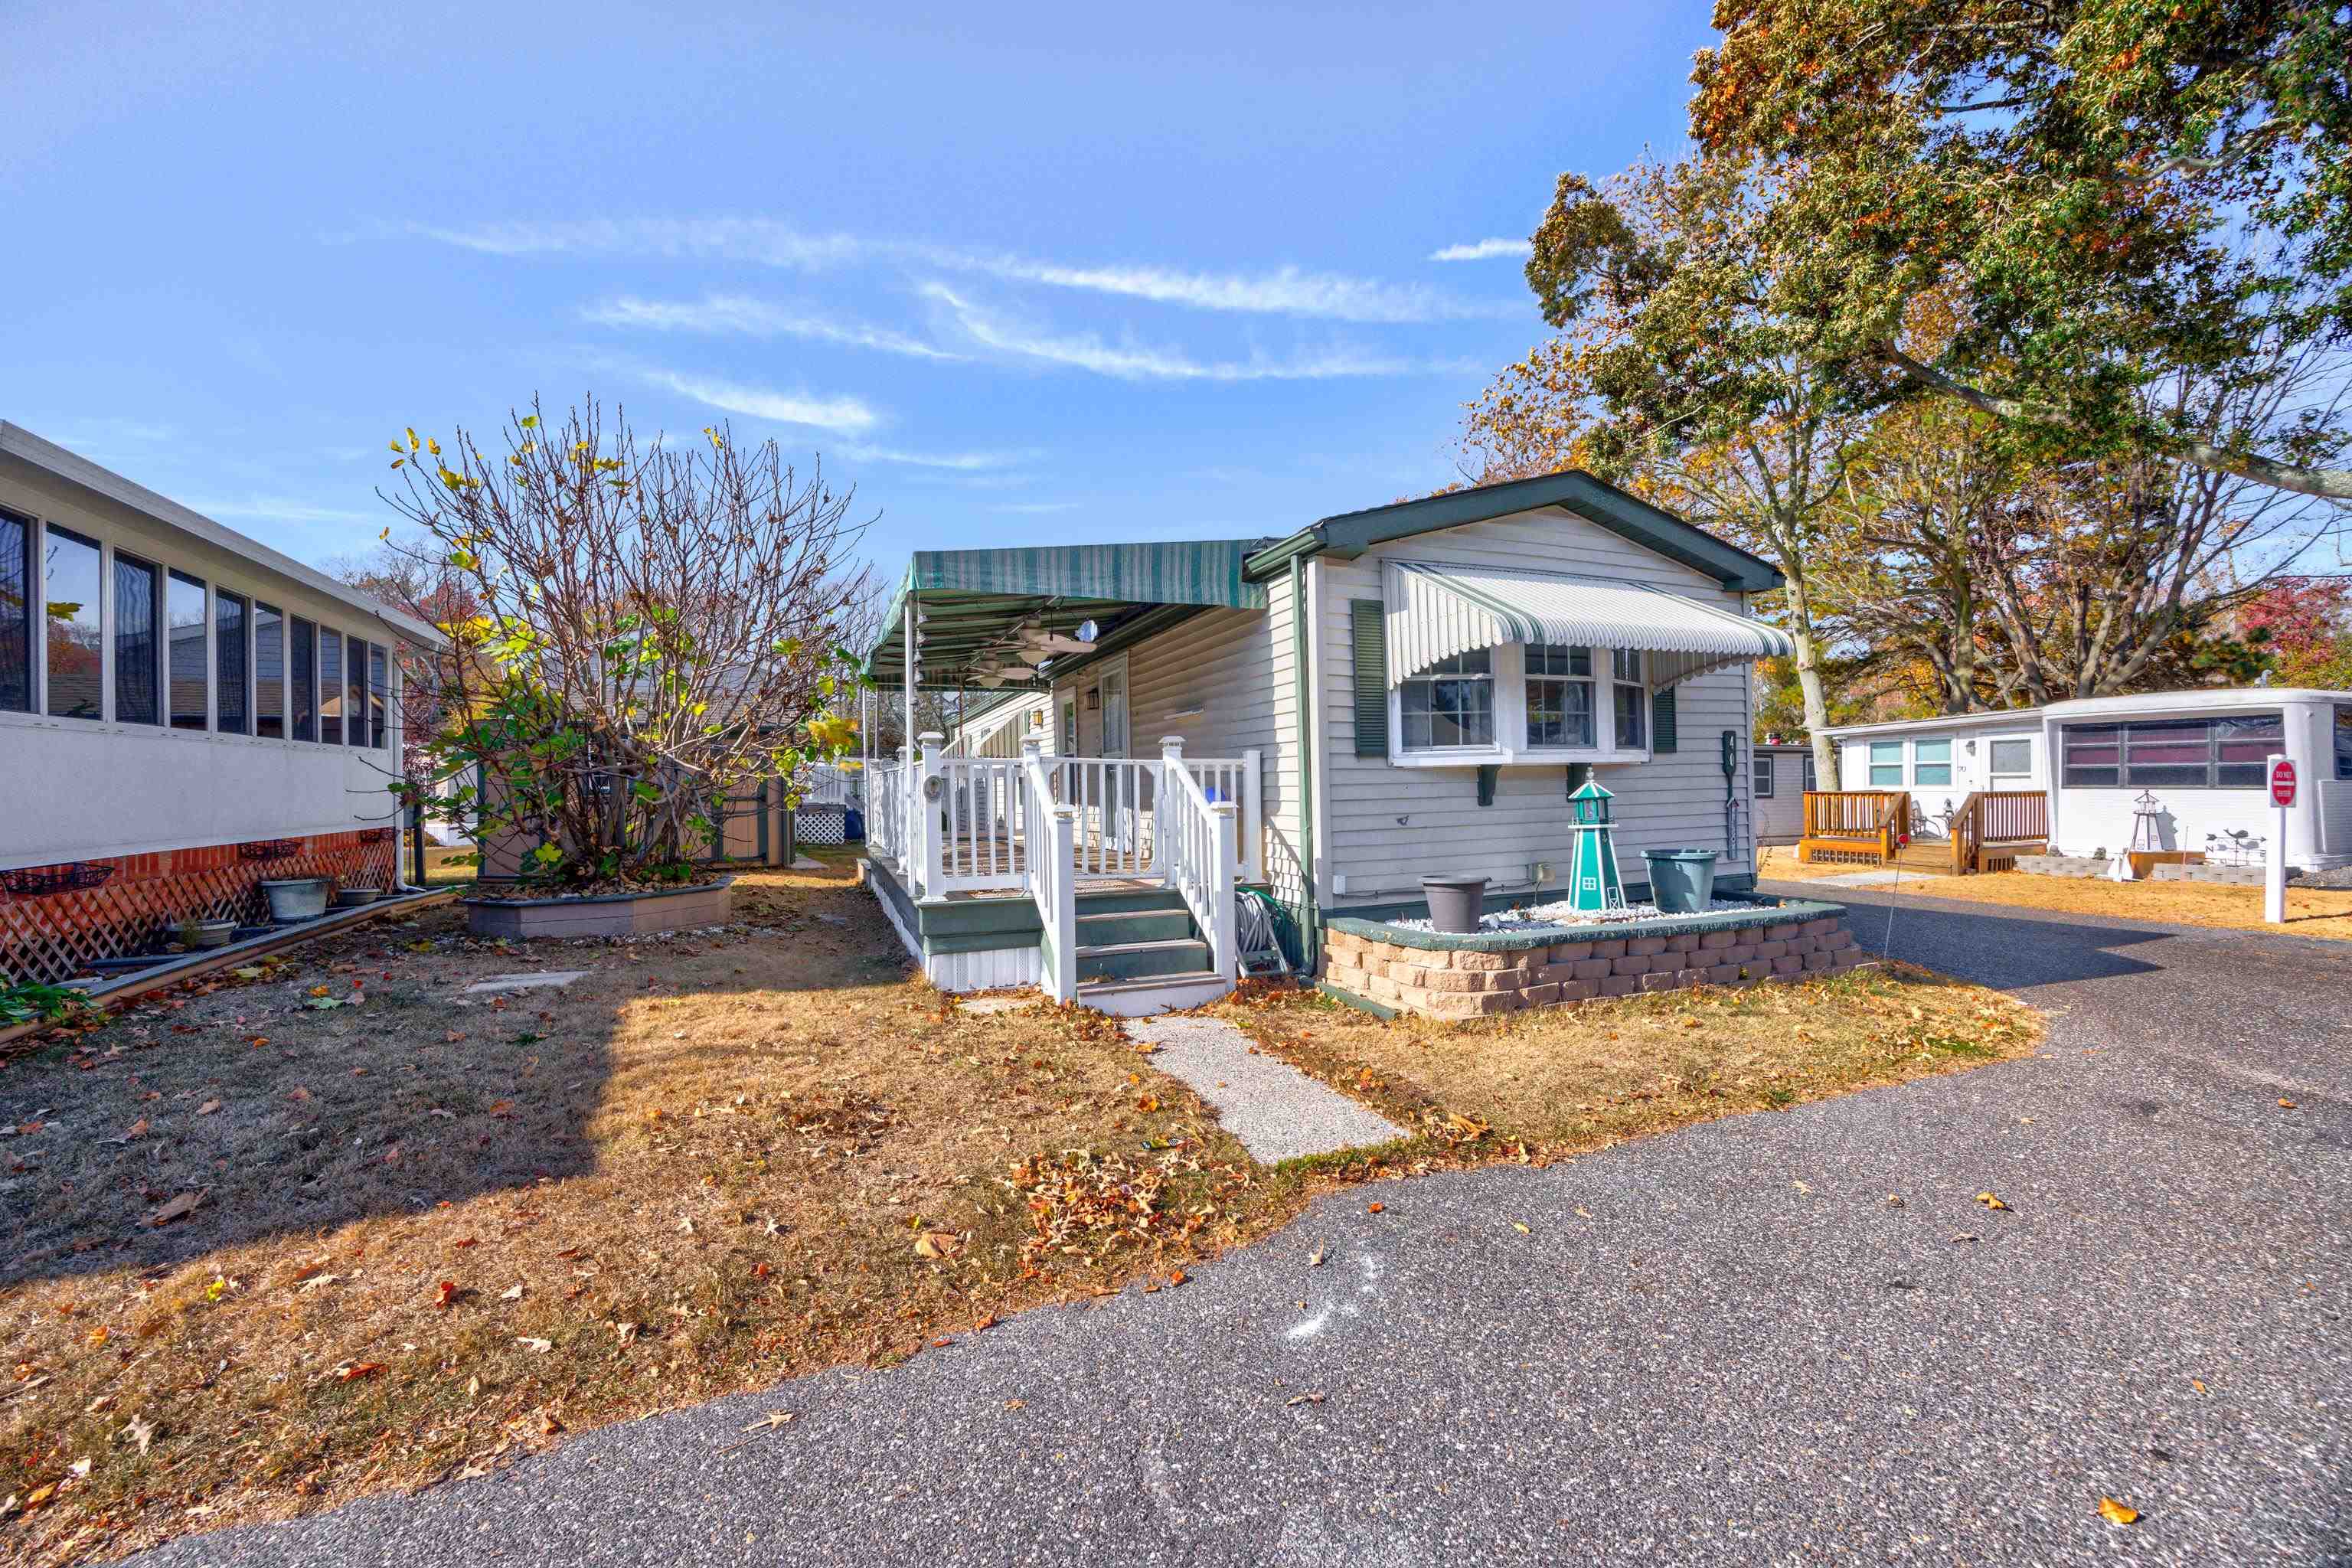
1277	1112
537	982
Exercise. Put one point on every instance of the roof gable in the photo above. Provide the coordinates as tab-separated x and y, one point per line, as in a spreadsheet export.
1350	534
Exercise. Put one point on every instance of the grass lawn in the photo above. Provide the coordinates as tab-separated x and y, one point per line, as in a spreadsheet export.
265	1253
2310	911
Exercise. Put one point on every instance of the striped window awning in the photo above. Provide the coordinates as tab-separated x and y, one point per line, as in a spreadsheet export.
1436	612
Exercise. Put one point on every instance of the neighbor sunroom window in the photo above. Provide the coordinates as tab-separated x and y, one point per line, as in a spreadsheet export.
137	588
1451	703
229	662
16	612
379	692
331	686
72	573
302	680
1931	761
2222	753
186	610
1632	699
1559	695
356	705
1887	764
268	671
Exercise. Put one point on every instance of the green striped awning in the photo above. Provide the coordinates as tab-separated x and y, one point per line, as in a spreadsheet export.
974	602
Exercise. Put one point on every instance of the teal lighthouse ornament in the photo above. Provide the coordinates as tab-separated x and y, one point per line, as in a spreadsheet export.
1592	880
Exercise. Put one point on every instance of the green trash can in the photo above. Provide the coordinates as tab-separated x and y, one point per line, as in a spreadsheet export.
1682	881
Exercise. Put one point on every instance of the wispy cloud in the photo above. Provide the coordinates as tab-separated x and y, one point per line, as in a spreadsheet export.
1483	250
957	462
1134	361
1034	506
1283	292
743	315
278	509
841	416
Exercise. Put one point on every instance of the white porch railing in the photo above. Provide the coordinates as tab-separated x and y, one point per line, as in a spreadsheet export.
953	825
1196	848
1052	877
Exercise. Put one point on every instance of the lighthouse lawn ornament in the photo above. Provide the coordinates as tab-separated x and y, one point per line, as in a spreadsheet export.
1592	880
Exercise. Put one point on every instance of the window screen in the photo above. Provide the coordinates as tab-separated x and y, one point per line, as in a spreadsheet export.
268	671
2012	758
188	661
1559	695
16	612
73	632
137	587
356	691
229	618
302	681
1451	704
379	692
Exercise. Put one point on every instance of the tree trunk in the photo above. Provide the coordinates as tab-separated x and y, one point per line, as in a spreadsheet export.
1817	703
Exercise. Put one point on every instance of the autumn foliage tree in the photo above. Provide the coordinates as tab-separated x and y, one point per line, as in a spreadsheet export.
652	629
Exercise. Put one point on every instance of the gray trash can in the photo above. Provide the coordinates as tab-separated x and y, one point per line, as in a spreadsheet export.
1682	881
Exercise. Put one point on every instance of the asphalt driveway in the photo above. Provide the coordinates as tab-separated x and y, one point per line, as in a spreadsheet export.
1722	1345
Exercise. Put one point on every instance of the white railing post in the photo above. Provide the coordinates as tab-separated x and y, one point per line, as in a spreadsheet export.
1223	936
1252	822
929	787
1164	805
1049	832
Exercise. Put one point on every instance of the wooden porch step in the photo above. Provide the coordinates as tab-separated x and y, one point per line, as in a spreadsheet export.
1155	994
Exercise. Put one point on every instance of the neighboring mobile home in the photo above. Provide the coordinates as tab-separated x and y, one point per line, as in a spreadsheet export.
1406	691
1783	777
188	712
2196	759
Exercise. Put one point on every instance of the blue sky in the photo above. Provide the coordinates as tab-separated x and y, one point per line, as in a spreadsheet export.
1057	277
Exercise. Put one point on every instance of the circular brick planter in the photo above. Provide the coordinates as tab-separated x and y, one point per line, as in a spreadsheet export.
605	914
1444	976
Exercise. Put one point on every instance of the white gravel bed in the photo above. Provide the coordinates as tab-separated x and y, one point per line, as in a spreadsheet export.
1561	916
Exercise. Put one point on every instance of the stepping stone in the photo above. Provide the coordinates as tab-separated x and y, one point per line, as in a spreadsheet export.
539	982
984	1005
1877	877
1278	1113
806	863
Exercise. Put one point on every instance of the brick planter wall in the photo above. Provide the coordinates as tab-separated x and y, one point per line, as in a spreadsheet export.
49	937
1472	982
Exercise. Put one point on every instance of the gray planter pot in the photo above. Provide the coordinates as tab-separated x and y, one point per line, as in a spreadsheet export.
1455	903
356	898
205	933
297	898
1682	881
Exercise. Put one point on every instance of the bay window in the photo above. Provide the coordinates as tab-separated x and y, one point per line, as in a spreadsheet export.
1451	704
1559	695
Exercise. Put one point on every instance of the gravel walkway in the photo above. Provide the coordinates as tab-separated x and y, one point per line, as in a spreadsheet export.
1723	1345
1278	1113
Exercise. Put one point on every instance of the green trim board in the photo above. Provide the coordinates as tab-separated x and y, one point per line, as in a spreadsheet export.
1350	534
1768	911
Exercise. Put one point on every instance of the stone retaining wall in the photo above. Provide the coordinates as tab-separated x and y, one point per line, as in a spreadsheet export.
1472	982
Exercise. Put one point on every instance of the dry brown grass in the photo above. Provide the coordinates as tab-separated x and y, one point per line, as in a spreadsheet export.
1561	1079
436	1230
2310	911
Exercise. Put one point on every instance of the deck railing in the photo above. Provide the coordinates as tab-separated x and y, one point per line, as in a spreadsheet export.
1856	820
1991	818
885	811
983	823
1051	876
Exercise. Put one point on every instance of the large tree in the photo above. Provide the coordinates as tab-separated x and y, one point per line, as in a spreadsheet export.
2122	190
1669	378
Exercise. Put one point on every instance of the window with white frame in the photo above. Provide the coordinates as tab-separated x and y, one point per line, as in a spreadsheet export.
138	597
1763	766
1451	704
1559	695
1887	764
1811	785
16	612
2226	751
186	667
1931	761
2010	763
1632	699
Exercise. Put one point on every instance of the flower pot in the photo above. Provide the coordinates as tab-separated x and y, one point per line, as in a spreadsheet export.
1455	903
1682	881
296	899
205	933
356	898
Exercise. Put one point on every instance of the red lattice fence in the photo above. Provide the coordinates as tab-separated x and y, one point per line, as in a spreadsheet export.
51	937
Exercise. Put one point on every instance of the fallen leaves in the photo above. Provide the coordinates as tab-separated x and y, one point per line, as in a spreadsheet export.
208	1107
1375	1208
1317	1259
2115	1513
180	1207
445	1295
140	1430
937	1244
539	1346
2285	1104
356	1372
1316	1398
1991	1202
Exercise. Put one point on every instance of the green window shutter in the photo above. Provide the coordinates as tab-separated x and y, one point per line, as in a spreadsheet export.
1661	720
1369	635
